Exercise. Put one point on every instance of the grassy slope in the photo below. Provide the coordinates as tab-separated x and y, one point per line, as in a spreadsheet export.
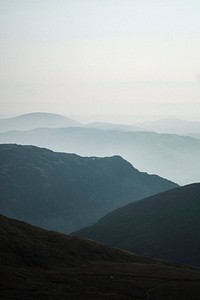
39	264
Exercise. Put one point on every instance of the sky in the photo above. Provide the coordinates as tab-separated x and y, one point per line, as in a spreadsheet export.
93	57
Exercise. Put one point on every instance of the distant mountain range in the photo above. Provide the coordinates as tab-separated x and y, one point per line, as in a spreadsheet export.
165	226
36	120
111	126
39	264
66	192
49	120
172	126
171	156
196	136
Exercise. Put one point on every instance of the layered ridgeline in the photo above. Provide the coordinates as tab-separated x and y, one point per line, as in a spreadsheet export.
66	192
172	126
111	126
170	156
39	264
36	120
165	226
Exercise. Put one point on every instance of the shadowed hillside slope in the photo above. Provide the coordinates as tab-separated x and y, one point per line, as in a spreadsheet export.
164	226
40	264
65	192
170	156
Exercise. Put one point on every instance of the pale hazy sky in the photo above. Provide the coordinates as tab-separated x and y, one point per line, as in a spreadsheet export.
100	56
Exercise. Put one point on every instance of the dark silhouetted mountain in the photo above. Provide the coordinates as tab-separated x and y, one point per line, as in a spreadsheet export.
66	192
36	120
165	226
40	264
170	156
172	126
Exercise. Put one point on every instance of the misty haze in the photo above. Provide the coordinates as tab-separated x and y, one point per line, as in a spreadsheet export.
100	149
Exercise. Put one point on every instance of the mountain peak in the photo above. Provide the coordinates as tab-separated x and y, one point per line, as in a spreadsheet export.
65	192
36	120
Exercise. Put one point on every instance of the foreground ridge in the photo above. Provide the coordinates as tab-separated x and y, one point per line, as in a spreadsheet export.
40	264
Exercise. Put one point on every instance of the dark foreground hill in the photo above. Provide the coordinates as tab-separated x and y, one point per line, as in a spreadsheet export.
66	192
39	264
168	155
164	226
